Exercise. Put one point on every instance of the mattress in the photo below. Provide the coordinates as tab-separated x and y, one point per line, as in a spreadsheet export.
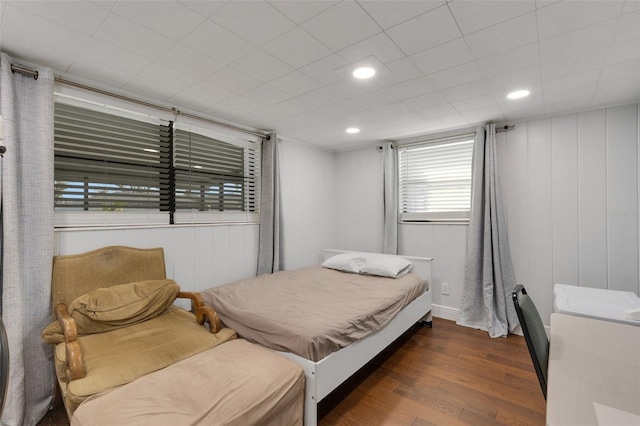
311	311
236	383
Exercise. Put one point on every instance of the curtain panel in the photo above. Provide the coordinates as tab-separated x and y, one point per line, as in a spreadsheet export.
26	227
489	276
390	232
270	237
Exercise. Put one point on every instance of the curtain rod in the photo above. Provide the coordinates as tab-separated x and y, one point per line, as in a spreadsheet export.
505	128
34	74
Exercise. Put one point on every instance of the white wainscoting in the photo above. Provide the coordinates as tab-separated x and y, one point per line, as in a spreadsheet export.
197	257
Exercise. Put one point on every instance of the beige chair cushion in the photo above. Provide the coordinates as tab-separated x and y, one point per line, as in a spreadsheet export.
120	356
109	308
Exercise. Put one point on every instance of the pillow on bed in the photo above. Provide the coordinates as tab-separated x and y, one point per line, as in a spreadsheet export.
115	307
383	265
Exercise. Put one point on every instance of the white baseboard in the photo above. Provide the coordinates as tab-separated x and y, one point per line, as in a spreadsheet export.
452	314
445	312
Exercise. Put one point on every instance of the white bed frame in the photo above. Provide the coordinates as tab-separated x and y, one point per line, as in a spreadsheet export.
325	375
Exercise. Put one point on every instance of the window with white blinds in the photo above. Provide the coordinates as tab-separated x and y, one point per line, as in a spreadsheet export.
216	177
115	167
107	161
435	180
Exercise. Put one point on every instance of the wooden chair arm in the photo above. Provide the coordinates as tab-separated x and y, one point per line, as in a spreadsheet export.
203	313
196	298
208	314
75	368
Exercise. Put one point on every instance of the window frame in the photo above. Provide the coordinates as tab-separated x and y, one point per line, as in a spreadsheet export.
166	213
450	216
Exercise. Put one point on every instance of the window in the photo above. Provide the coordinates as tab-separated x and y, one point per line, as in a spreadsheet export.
216	177
435	180
118	167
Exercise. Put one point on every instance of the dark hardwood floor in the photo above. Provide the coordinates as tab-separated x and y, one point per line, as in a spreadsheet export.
445	375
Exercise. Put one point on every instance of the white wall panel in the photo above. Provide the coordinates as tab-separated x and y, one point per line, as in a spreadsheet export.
516	200
408	239
571	188
622	197
564	134
183	266
251	236
309	203
540	223
457	259
360	200
221	255
236	253
202	264
592	198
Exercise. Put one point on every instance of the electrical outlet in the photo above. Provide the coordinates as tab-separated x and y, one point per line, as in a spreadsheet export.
445	289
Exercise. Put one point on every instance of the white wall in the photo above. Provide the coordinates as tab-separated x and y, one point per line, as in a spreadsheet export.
202	256
571	189
359	200
308	203
571	186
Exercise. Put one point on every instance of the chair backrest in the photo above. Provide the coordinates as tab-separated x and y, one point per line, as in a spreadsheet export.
4	365
78	274
534	333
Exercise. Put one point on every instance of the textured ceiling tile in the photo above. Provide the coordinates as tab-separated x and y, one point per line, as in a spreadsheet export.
472	16
300	11
567	16
262	66
341	26
441	57
256	21
579	41
297	48
504	36
425	31
218	43
390	13
171	19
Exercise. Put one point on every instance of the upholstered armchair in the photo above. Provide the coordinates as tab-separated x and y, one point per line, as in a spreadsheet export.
116	322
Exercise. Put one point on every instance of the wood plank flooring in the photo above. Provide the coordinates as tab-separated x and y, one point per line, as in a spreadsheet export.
445	375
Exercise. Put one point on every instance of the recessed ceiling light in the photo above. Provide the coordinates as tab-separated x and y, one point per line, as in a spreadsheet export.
353	130
518	94
364	72
197	167
151	150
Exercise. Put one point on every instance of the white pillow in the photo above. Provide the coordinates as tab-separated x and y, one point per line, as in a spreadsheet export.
383	265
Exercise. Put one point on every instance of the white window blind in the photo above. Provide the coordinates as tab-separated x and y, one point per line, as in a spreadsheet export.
435	180
108	162
216	177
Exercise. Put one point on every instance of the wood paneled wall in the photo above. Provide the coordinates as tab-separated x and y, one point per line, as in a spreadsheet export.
570	187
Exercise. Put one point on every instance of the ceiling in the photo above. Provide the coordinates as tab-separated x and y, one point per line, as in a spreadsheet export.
286	65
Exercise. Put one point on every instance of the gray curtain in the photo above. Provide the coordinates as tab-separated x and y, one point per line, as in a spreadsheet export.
390	234
489	276
270	249
26	227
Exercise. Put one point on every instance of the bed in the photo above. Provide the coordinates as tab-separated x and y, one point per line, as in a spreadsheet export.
236	383
326	365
